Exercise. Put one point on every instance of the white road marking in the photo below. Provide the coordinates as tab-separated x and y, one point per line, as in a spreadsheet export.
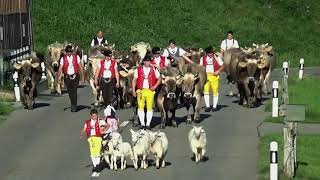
124	123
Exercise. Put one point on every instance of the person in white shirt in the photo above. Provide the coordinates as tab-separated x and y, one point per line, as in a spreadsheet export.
158	61
70	66
107	77
173	52
99	39
213	65
228	43
146	79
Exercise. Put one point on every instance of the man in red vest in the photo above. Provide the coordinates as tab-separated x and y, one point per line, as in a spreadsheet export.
94	128
70	66
213	65
158	61
107	77
146	79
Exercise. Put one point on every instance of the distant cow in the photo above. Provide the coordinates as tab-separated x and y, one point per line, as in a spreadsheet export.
141	48
245	70
52	62
195	54
192	83
29	75
168	96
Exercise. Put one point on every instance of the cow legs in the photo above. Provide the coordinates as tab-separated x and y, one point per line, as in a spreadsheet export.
173	118
59	91
265	82
248	96
197	109
189	119
51	80
95	93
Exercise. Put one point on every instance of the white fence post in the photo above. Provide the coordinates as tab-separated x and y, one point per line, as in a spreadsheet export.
273	160
275	100
301	68
16	87
43	68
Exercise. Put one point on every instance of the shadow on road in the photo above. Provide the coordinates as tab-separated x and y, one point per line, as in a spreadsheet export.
204	159
38	105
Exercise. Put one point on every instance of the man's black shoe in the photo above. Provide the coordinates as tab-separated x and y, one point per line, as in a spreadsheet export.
207	109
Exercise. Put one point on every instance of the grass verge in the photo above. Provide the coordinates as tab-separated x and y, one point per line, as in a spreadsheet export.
305	91
6	108
308	157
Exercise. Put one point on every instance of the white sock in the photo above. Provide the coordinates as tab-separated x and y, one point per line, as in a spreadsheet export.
141	117
207	100
95	160
215	101
149	117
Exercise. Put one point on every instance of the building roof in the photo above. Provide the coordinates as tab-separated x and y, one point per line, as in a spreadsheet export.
13	6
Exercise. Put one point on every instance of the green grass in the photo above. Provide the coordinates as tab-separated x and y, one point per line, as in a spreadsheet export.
6	108
290	26
305	91
308	157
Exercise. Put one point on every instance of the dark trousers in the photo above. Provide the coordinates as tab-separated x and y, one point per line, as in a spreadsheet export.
72	85
107	90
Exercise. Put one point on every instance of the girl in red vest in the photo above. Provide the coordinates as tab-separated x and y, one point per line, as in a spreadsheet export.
146	79
214	66
94	128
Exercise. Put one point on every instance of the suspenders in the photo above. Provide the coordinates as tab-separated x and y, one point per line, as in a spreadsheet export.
227	44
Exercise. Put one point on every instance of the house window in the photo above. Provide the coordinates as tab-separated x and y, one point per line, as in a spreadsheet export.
23	30
1	33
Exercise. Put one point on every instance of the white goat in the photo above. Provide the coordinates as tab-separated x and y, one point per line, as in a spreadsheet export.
109	145
122	150
141	147
198	141
159	147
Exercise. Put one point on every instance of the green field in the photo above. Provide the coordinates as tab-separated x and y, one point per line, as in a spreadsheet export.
290	26
5	108
302	92
307	156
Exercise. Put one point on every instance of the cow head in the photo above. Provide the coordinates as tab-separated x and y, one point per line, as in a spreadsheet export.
141	48
195	54
25	69
169	86
55	52
250	62
188	84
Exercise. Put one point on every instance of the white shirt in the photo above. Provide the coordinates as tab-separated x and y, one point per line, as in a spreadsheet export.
157	60
99	41
173	51
113	123
92	125
209	66
146	71
228	44
107	73
70	70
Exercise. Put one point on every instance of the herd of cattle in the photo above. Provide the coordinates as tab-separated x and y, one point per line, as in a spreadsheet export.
249	68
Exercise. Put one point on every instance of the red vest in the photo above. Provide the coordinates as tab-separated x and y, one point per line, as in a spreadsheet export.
74	62
96	127
151	77
215	64
113	63
162	61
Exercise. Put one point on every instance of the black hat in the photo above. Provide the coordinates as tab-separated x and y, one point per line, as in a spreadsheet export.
172	41
69	48
148	57
106	52
156	50
209	49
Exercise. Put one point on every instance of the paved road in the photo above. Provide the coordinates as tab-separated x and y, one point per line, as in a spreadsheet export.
44	143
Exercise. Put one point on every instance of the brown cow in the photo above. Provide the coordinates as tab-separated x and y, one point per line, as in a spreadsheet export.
168	96
29	75
192	84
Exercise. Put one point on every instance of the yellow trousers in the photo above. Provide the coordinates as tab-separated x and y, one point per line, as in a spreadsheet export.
213	83
145	96
95	146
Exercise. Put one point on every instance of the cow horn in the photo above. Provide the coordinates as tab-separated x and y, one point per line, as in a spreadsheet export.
196	75
163	76
254	45
265	45
200	50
